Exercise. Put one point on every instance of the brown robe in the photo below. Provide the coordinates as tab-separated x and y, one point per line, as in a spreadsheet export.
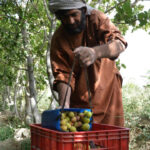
104	79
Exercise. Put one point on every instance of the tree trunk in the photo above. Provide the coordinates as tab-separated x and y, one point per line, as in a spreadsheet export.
31	79
15	108
15	101
10	102
4	95
49	73
32	87
29	119
22	107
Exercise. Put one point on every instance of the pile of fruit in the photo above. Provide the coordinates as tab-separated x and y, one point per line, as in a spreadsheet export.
75	121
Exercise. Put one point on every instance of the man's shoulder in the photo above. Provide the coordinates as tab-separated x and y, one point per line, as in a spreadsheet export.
58	33
96	12
60	37
97	15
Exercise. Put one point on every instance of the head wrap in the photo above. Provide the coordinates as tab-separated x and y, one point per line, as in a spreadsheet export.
55	5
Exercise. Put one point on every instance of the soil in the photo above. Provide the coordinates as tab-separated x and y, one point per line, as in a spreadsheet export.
9	144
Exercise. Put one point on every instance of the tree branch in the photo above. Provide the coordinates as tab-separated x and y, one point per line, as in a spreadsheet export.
98	4
35	7
135	2
114	6
47	11
50	76
52	27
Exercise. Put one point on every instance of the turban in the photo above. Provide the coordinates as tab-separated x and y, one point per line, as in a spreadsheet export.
55	5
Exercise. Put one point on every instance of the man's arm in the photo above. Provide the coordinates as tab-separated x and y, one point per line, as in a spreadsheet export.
87	55
110	50
62	88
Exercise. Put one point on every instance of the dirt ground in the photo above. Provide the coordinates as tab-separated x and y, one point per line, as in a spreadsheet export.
12	143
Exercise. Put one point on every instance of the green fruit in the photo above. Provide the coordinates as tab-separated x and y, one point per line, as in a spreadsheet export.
63	122
89	114
73	119
86	120
79	123
85	127
68	125
64	128
71	114
81	115
85	111
63	115
73	129
76	124
68	119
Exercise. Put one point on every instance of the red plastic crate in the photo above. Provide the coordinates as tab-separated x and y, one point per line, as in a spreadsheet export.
101	137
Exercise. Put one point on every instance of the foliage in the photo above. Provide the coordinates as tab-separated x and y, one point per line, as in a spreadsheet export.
44	101
137	115
15	122
15	16
119	64
26	144
12	23
126	13
147	77
6	132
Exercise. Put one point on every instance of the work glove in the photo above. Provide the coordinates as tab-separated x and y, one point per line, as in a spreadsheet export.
85	55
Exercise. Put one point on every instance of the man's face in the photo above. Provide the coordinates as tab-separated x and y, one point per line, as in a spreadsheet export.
74	20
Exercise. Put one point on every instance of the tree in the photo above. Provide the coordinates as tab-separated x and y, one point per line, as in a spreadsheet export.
20	43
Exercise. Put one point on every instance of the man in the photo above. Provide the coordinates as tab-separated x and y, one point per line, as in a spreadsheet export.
89	38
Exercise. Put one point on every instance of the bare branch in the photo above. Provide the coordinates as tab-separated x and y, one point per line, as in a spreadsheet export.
47	11
26	7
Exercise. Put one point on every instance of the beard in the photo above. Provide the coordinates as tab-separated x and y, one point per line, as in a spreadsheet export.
77	27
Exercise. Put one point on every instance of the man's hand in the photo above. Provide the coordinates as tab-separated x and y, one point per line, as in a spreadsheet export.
85	55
